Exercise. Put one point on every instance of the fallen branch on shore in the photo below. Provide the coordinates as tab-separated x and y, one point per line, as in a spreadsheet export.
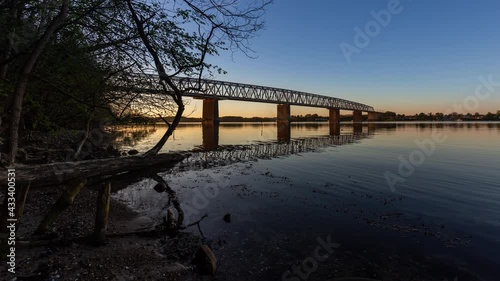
62	172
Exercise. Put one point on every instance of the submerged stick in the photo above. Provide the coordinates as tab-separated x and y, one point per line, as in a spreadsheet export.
172	196
197	223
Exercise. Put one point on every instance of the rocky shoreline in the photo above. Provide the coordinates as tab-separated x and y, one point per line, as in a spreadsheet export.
68	255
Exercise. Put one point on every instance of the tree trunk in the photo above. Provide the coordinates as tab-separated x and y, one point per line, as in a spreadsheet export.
168	133
22	83
164	78
9	42
61	172
85	137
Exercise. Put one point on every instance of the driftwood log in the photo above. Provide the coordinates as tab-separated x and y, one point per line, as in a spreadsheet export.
62	172
76	175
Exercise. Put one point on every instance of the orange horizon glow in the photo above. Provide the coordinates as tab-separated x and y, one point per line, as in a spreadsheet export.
255	109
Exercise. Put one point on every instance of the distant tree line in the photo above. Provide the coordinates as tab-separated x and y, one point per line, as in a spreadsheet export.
387	116
454	116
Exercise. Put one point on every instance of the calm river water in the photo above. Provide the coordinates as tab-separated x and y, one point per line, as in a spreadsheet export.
437	216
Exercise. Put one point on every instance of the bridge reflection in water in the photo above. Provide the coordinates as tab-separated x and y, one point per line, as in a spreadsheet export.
210	154
210	132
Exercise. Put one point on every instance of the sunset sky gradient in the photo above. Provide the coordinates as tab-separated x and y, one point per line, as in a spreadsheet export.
427	59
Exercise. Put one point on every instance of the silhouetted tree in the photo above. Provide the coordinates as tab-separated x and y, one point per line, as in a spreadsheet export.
14	104
176	50
91	66
489	116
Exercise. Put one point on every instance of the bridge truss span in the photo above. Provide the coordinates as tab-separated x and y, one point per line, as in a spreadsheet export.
245	92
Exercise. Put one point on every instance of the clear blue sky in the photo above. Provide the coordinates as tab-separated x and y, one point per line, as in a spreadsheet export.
426	59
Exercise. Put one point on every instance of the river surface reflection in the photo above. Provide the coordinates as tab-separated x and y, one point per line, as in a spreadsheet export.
284	195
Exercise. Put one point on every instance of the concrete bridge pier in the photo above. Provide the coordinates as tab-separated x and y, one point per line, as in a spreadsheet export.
334	120
283	123
357	116
210	124
334	115
210	111
373	116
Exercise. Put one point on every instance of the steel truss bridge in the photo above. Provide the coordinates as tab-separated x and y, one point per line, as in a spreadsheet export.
222	90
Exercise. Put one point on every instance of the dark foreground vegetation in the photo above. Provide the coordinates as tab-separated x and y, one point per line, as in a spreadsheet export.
70	68
81	64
